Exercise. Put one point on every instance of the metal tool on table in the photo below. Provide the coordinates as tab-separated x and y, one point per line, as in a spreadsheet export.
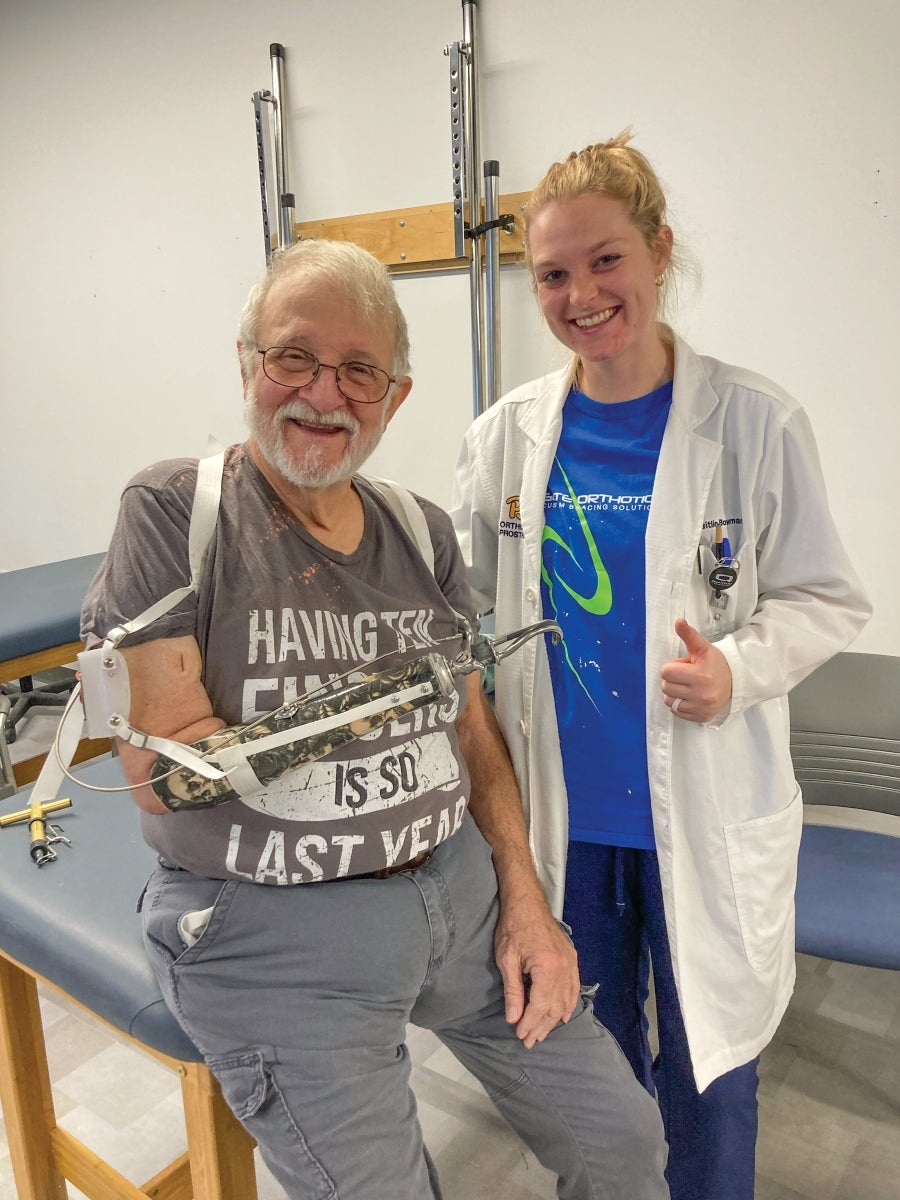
44	834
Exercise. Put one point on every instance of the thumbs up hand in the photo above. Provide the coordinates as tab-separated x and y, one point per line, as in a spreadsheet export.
696	686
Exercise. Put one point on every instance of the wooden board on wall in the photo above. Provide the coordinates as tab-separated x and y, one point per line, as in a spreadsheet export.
416	239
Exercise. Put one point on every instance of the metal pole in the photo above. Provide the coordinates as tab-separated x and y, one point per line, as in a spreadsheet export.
472	162
262	155
469	223
285	198
457	147
8	783
492	281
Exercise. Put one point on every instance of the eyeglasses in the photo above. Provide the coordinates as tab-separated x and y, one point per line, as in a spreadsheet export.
357	381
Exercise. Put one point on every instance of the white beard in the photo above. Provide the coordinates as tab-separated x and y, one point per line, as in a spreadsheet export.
309	471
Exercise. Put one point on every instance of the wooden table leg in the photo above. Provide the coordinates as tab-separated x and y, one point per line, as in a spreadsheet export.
220	1149
25	1088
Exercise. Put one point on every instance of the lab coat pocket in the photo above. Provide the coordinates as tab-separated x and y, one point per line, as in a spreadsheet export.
762	858
251	1090
717	616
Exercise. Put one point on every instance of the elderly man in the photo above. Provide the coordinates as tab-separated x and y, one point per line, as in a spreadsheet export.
428	909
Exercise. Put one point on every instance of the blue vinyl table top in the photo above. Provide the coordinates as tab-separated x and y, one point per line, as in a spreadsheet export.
40	607
74	921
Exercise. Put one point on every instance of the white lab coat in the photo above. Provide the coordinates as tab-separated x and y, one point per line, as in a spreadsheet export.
727	812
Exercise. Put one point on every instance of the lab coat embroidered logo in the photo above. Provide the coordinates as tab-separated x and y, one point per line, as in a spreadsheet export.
512	525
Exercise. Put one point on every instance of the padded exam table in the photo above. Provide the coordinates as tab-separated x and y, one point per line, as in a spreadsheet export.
73	925
40	611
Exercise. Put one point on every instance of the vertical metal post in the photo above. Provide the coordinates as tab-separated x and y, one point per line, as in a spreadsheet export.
457	148
7	774
470	224
285	198
491	281
277	201
473	196
261	122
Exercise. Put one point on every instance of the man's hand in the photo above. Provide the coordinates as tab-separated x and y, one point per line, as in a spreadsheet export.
535	958
697	686
539	969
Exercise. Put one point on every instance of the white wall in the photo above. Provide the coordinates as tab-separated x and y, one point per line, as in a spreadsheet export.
130	226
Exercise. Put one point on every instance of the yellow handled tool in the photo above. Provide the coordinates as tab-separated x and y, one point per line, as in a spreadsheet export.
43	836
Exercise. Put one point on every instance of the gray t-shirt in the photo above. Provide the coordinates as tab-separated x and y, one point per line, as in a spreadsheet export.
279	614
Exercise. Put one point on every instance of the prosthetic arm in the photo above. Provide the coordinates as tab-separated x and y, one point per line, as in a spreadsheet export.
239	760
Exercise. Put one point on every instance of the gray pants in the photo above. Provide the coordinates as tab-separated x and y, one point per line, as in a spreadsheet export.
299	997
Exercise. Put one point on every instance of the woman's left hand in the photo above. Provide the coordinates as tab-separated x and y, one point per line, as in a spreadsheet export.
697	686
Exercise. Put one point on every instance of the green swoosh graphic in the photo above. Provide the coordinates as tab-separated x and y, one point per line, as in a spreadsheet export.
600	602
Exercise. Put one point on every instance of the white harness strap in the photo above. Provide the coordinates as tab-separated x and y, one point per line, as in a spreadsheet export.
204	515
107	662
404	507
69	734
409	514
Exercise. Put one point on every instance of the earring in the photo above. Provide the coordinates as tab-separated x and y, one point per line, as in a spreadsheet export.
660	280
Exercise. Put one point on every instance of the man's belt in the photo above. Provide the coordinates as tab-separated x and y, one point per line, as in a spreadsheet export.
398	869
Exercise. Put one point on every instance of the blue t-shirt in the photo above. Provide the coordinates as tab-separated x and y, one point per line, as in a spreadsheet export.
592	582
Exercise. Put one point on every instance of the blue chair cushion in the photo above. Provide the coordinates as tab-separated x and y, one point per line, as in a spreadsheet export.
848	896
40	607
74	921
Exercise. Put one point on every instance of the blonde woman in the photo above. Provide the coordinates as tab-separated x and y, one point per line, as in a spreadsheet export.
669	511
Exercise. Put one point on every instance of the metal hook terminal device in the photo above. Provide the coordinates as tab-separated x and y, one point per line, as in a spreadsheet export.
487	651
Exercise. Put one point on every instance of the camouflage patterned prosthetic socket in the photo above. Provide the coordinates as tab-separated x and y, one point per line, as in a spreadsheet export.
182	788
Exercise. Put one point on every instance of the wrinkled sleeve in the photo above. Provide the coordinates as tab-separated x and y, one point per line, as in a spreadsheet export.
811	603
147	559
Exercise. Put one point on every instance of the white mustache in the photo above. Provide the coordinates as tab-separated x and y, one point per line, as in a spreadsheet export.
299	410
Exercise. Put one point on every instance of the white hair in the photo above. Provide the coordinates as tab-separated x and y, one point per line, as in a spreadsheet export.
365	281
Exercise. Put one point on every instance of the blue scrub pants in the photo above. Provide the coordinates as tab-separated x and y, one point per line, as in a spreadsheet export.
614	906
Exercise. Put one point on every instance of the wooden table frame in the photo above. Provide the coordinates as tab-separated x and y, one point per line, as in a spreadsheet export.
218	1164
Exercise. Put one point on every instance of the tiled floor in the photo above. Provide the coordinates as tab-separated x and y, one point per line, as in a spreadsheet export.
829	1096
